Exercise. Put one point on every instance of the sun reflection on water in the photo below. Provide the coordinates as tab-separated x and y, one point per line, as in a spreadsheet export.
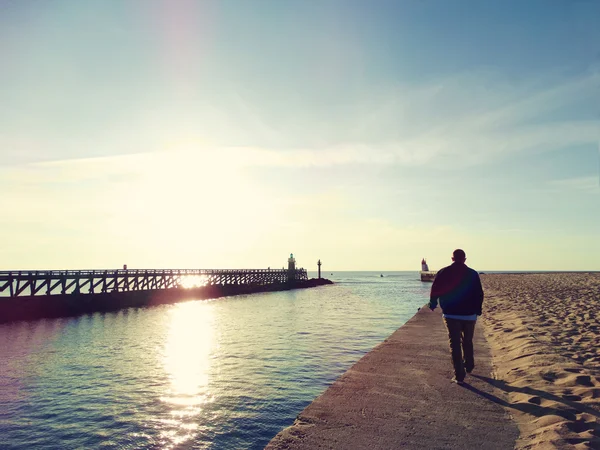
187	359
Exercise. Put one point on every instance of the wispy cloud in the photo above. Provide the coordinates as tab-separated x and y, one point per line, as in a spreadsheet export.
586	184
458	121
461	121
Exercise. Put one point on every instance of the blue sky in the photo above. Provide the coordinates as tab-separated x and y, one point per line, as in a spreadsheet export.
368	134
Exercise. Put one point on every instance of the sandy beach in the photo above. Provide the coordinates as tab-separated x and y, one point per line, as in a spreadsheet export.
544	331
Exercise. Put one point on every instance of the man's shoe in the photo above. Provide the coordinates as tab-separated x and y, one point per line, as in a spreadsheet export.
459	382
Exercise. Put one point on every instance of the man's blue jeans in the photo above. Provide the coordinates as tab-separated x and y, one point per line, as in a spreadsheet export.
460	334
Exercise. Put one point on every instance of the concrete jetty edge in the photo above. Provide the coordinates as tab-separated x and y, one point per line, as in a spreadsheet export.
400	395
68	305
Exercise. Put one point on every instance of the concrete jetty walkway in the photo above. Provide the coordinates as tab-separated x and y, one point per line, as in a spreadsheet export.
400	396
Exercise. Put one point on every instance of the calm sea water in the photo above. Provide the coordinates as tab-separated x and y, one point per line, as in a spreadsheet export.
228	373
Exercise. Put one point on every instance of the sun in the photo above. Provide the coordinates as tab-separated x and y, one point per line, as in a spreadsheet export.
192	281
185	207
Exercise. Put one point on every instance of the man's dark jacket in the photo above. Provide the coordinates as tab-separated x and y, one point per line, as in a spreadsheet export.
459	290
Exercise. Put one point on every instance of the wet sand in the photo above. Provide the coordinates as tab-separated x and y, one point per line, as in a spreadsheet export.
544	333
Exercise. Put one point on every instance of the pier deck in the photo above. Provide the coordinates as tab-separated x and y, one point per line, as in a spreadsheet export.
399	396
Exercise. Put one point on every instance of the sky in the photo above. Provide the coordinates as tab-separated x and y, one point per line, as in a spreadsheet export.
228	134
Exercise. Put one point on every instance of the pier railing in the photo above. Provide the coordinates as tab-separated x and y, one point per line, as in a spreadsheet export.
23	283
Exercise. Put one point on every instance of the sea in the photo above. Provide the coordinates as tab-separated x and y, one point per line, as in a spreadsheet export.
228	373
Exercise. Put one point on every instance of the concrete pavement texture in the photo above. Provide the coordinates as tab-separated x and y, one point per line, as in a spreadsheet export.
400	395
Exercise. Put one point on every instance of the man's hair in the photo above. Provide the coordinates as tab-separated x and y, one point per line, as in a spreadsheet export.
459	255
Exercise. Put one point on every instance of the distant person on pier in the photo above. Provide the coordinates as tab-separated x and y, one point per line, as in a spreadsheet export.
460	294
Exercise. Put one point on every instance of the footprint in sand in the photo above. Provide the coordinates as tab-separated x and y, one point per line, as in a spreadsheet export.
584	380
580	426
587	394
550	376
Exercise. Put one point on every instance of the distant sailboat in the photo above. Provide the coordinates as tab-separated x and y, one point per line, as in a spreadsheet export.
426	274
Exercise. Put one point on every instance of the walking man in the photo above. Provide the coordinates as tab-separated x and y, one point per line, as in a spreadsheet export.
459	291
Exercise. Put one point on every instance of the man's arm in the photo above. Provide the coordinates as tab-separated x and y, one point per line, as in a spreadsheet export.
433	302
479	291
433	296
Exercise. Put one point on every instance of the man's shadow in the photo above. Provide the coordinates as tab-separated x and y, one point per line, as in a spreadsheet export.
569	412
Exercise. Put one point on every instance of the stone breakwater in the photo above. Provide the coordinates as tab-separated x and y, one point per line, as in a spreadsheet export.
399	396
29	308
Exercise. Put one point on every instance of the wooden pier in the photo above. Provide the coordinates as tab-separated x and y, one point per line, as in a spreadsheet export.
29	283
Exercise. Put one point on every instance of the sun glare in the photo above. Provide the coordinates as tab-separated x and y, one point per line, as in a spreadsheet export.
183	197
193	281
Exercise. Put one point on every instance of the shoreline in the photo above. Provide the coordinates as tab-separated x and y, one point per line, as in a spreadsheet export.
70	305
543	330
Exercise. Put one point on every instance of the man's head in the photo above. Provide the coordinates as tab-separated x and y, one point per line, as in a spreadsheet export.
459	256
